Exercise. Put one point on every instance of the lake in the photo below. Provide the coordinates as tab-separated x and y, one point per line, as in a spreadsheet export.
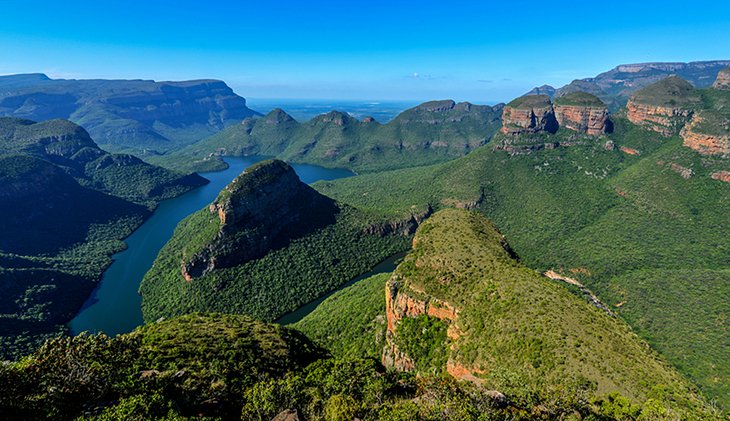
115	305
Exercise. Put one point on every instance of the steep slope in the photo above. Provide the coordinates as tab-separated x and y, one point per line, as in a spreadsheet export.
70	147
142	116
66	204
192	365
664	106
432	132
267	245
601	214
499	320
351	322
231	367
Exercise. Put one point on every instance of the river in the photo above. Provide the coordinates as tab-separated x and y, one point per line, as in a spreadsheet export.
115	305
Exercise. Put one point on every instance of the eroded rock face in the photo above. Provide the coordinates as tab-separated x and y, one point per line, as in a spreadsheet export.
402	302
723	80
530	114
261	209
664	120
695	137
723	176
589	120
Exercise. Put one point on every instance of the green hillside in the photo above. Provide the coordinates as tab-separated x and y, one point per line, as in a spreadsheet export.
517	331
65	206
351	322
597	215
267	245
432	132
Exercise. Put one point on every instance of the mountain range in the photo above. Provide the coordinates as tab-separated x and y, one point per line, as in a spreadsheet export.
139	116
565	258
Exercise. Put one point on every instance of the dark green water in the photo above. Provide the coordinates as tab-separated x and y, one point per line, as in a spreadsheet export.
115	305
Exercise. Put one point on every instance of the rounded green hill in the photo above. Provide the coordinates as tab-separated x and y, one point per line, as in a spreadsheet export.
530	101
579	99
670	92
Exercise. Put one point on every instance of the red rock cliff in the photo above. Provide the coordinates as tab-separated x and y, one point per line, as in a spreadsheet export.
590	120
529	114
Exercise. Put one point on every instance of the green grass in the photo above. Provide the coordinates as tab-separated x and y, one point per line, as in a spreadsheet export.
524	332
530	101
581	99
351	322
669	92
584	207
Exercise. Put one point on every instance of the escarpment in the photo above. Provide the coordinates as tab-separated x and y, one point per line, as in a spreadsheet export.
261	209
583	113
529	114
708	133
663	107
460	303
577	111
723	80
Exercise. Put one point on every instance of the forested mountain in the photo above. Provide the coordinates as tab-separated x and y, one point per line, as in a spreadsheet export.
65	206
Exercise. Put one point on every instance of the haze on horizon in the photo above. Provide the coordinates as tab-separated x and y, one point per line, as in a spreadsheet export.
465	50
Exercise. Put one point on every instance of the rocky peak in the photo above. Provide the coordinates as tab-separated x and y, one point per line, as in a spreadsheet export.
261	209
337	118
369	119
723	80
542	90
663	106
278	116
582	112
529	114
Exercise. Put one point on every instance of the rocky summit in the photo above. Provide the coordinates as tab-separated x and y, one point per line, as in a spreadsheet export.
723	80
261	209
582	112
664	106
529	114
577	111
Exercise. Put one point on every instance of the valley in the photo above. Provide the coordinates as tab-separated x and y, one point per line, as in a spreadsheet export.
561	255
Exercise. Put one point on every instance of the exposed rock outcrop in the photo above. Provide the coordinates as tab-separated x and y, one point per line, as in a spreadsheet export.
664	120
403	301
723	80
723	176
708	133
529	114
261	209
663	107
405	227
582	112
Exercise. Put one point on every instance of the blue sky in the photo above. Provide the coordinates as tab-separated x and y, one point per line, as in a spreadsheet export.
481	51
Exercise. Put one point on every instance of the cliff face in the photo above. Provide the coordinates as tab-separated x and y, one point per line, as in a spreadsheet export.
723	80
664	120
577	111
529	114
590	120
140	114
663	107
582	112
261	209
695	134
